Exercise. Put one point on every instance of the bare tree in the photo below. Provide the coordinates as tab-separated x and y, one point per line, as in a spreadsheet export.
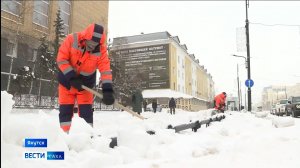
123	85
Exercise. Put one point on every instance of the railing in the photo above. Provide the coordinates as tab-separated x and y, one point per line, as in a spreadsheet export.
35	101
46	102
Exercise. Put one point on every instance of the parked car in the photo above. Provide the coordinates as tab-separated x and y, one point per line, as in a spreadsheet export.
149	107
259	108
281	107
273	109
293	106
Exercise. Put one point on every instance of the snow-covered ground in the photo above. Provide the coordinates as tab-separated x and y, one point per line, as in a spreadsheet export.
242	140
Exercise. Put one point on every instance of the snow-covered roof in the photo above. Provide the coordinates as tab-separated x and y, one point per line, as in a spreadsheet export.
141	38
166	93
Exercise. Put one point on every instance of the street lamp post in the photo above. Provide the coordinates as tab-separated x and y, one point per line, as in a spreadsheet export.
239	84
242	57
248	69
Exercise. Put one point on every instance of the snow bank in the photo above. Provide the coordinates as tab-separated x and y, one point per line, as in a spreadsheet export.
6	106
261	114
279	122
241	140
7	103
168	93
79	138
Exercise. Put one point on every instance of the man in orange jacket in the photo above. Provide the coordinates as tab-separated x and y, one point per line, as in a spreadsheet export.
79	56
220	101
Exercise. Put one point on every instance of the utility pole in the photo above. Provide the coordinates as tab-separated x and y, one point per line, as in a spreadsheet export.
248	55
285	93
240	92
245	98
241	95
238	82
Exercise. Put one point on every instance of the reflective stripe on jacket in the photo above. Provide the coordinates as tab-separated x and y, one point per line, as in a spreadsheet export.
73	60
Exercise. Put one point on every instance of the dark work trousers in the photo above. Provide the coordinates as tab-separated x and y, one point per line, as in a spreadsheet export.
154	110
172	109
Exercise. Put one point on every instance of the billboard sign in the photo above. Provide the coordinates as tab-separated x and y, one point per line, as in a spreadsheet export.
146	66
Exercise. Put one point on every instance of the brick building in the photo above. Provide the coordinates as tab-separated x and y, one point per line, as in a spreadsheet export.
23	23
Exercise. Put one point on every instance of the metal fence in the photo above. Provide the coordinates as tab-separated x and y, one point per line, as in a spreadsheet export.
47	102
35	101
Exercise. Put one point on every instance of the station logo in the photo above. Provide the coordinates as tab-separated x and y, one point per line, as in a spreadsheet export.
41	143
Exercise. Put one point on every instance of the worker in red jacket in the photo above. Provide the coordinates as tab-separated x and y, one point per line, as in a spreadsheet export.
79	56
220	101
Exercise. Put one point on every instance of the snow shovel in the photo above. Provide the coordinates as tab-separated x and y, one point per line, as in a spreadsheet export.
116	104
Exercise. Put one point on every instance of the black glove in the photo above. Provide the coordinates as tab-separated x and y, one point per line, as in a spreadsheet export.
108	94
76	82
220	108
197	126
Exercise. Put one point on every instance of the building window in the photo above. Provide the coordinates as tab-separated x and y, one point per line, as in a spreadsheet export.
12	6
65	9
11	49
32	54
40	12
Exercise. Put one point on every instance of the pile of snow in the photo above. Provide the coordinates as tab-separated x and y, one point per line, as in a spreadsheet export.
279	122
261	114
7	103
166	93
240	140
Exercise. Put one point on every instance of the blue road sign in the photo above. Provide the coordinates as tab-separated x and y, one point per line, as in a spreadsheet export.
249	82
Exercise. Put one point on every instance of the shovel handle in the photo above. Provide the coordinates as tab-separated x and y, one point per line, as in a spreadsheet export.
116	104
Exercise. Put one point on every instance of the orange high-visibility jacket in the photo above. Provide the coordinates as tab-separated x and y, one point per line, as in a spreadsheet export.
73	60
220	100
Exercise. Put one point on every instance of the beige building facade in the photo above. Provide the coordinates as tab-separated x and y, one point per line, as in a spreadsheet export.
273	94
178	70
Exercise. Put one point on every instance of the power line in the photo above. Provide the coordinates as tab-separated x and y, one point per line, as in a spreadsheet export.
277	24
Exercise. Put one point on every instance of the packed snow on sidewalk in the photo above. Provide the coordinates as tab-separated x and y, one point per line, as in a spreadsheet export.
241	140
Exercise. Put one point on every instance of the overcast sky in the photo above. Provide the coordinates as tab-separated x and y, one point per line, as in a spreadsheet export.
209	29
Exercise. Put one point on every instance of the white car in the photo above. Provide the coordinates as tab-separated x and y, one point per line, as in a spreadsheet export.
281	107
273	109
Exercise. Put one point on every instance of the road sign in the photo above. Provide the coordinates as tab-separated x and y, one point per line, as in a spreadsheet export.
249	82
